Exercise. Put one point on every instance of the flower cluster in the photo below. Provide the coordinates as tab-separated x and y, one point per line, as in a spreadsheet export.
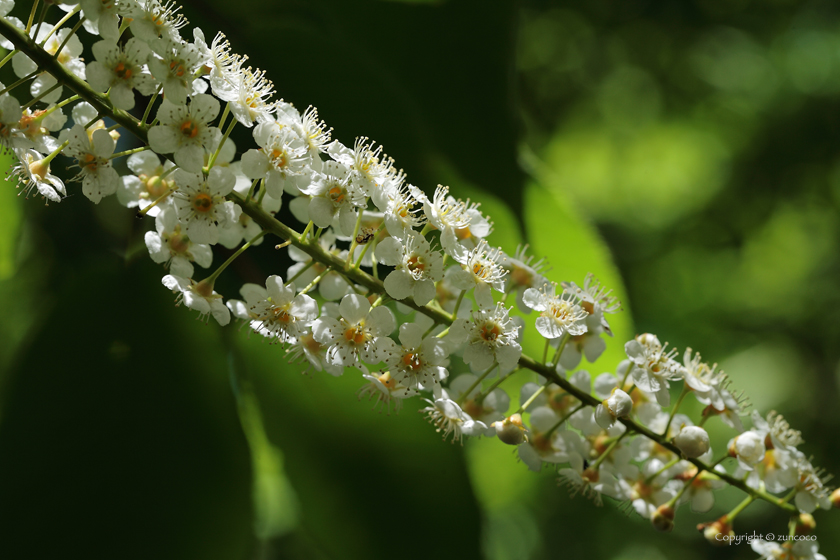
402	286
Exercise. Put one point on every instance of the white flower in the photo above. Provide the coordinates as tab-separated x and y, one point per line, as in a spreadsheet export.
104	15
173	64
171	247
444	213
596	300
491	336
417	267
653	366
122	70
385	389
371	169
417	363
360	334
309	349
309	128
276	311
487	409
198	296
777	428
480	268
558	314
251	93
147	183
151	19
401	209
617	405
334	195
447	417
92	154
811	491
693	441
33	174
281	160
223	66
201	203
186	131
800	550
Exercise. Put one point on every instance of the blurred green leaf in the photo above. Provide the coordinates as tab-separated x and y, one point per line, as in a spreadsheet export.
10	219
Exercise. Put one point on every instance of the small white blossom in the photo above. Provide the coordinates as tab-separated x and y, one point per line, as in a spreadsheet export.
358	336
559	315
281	160
201	203
482	269
417	363
92	154
198	296
186	131
173	64
120	70
33	174
492	336
693	441
169	246
334	196
276	311
417	267
653	366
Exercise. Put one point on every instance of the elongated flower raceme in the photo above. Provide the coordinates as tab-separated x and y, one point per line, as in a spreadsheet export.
390	284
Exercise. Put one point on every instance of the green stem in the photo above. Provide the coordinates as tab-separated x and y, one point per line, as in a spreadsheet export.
477	382
686	389
353	243
131	151
20	81
594	466
151	103
31	16
67	39
306	230
560	347
458	304
301	271
60	23
8	57
564	418
315	281
212	278
730	517
215	155
56	107
35	100
664	468
532	398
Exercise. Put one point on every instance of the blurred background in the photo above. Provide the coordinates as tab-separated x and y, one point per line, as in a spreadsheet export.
687	153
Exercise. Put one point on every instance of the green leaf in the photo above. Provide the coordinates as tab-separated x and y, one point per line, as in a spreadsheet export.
10	220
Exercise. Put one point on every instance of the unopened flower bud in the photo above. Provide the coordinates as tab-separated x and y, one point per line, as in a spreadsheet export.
663	518
693	441
835	498
805	524
717	532
617	405
510	430
748	448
